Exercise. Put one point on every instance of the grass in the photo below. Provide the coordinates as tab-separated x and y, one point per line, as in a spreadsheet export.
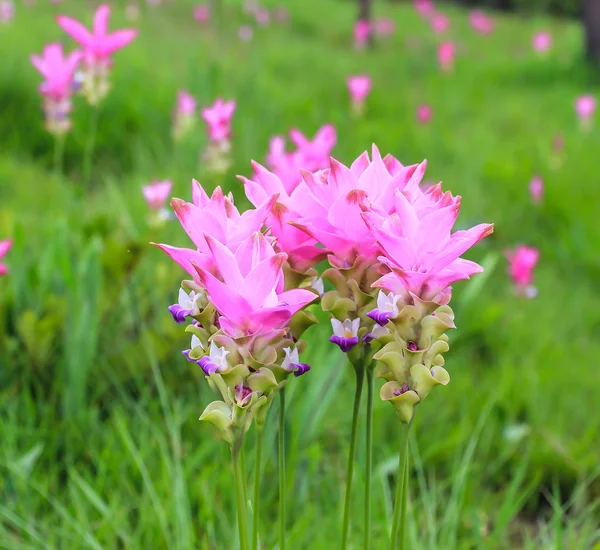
101	447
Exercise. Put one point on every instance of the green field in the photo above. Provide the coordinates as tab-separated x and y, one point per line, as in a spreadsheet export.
100	441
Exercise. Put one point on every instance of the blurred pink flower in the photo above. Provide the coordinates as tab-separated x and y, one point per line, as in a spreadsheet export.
536	189
58	71
245	33
263	17
218	119
446	55
385	27
542	41
522	261
7	11
480	22
4	248
362	31
424	113
359	87
202	13
183	117
157	193
425	8
97	45
585	106
440	23
186	103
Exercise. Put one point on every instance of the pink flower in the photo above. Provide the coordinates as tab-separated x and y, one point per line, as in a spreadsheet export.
186	104
202	13
385	27
4	248
536	189
332	202
542	41
263	17
157	193
291	205
480	22
218	217
57	70
7	11
424	113
218	119
425	8
359	87
97	45
522	261
420	250
246	287
446	54
585	106
440	23
362	31
245	33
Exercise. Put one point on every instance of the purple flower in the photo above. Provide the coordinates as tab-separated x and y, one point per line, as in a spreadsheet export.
345	334
387	308
291	362
186	305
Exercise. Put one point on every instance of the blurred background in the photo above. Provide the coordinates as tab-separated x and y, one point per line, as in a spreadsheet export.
101	446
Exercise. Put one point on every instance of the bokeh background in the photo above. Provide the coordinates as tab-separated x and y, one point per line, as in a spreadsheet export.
101	446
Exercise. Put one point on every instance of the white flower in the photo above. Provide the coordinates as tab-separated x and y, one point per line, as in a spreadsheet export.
196	342
218	356
347	329
189	301
388	303
291	358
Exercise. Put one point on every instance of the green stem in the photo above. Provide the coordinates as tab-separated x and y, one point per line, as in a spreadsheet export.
240	499
59	150
398	538
360	376
282	518
90	145
369	443
256	503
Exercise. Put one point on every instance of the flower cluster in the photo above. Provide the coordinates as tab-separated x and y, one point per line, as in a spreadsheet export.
218	122
392	255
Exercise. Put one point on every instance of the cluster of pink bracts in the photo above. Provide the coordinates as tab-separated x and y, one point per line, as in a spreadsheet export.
392	260
94	60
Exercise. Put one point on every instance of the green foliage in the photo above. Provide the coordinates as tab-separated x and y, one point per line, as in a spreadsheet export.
101	444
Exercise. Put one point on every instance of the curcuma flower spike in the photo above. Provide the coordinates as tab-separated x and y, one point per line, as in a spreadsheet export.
244	325
58	71
218	122
4	248
98	46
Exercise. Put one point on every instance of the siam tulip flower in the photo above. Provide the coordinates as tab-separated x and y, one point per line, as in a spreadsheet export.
359	87
98	46
292	363
58	71
424	113
425	8
345	334
245	33
522	262
156	195
387	308
184	115
446	55
362	33
480	22
4	248
585	106
440	23
202	13
385	27
218	120
542	41
536	189
263	17
215	361
7	11
218	217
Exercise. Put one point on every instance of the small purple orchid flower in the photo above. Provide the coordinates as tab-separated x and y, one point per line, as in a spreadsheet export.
345	334
216	360
387	308
291	363
195	343
187	304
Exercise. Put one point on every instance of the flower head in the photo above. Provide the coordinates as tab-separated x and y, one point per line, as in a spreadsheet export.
187	305
522	261
585	106
446	55
440	23
536	189
359	87
387	308
4	248
157	193
58	71
218	119
425	8
215	361
362	31
292	362
480	22
186	103
345	334
424	113
202	13
98	45
7	11
541	41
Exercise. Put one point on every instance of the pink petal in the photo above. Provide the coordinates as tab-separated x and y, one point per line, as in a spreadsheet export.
101	21
294	300
75	29
199	195
261	281
185	257
227	301
117	40
197	222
